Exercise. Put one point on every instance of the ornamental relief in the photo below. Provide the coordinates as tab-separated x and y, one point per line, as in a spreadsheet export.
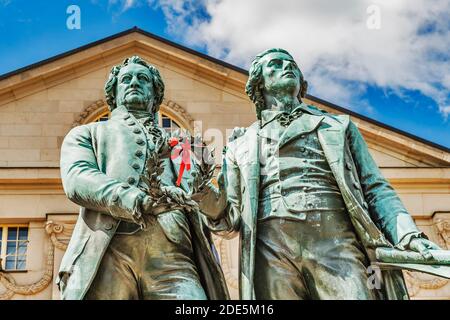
223	247
58	236
415	281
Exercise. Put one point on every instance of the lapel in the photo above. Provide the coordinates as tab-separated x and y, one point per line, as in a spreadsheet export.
250	170
251	173
308	122
272	131
121	121
332	138
122	115
305	123
331	135
119	113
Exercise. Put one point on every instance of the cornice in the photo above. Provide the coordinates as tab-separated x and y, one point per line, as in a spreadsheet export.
56	184
31	184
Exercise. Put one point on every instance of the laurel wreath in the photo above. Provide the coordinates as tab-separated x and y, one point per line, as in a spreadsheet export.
202	172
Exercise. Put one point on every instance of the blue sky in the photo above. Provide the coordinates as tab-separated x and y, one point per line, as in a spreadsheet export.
398	74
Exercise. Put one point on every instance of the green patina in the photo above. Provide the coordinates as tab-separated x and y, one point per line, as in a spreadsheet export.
309	202
126	244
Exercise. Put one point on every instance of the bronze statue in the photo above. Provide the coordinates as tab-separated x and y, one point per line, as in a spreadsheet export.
307	199
127	244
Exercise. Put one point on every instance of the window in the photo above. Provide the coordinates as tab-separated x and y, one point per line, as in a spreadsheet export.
168	123
102	117
13	247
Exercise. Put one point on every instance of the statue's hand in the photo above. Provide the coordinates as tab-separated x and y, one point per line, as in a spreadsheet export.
212	200
176	194
140	210
207	188
147	205
180	197
423	246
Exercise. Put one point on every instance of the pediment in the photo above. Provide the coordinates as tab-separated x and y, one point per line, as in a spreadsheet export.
108	52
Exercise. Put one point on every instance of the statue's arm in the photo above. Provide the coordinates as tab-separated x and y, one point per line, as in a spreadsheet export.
87	186
385	207
220	205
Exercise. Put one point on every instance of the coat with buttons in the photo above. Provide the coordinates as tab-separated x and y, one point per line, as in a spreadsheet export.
101	165
378	215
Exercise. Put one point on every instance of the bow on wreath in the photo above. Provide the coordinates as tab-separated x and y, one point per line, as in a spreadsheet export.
183	150
187	147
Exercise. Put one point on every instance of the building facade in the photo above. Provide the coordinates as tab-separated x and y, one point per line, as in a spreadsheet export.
39	104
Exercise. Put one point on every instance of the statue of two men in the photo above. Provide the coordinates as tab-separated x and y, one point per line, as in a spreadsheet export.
299	186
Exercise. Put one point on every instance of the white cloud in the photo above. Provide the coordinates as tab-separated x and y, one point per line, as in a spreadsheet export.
124	4
338	53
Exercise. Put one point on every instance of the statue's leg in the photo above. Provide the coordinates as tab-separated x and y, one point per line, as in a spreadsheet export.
278	262
169	270
335	266
116	276
316	258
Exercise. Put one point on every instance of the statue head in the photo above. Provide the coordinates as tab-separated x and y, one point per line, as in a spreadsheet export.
135	84
274	72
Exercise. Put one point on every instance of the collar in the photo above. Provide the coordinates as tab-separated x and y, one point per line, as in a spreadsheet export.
141	115
269	115
138	115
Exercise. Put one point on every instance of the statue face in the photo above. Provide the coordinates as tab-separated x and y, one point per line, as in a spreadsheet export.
135	87
281	74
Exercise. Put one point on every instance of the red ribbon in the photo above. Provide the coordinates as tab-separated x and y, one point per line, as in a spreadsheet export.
185	152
